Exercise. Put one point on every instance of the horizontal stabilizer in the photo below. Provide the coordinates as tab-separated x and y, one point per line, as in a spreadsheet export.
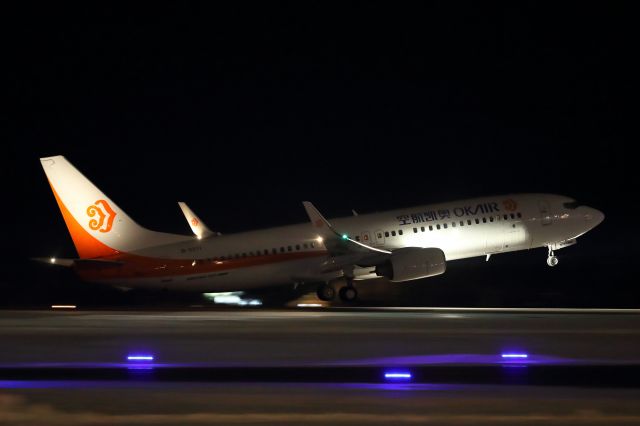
54	261
66	262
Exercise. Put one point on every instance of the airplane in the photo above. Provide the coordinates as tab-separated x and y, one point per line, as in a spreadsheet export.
401	245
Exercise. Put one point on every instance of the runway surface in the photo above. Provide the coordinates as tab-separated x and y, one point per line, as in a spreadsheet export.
320	367
262	338
142	403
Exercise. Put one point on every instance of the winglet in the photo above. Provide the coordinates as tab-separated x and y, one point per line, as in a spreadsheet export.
197	226
318	221
336	243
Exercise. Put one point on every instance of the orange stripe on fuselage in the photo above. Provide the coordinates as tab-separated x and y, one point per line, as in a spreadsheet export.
88	247
135	266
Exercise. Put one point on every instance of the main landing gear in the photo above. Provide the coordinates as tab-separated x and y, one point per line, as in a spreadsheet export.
552	260
326	292
347	294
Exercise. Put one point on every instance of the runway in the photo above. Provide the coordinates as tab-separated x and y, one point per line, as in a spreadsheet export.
311	337
319	366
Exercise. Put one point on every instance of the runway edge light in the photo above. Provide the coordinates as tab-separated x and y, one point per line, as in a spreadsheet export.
511	355
397	375
140	357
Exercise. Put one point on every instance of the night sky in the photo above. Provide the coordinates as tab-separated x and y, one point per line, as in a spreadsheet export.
244	111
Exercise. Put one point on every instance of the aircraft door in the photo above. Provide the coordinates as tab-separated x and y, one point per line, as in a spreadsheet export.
495	238
515	237
379	238
545	213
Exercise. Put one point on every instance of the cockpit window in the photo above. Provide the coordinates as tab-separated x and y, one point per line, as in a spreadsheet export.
571	205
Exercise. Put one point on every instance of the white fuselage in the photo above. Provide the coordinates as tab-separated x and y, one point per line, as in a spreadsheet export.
461	229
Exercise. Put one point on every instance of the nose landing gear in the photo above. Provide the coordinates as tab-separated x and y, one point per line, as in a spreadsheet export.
552	260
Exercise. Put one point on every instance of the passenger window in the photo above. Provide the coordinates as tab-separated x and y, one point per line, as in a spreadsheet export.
379	235
305	245
422	228
484	220
400	232
289	248
244	254
357	237
312	245
297	246
274	251
462	223
513	216
445	226
453	224
281	249
477	221
438	226
393	233
506	217
519	214
491	219
415	230
386	234
430	227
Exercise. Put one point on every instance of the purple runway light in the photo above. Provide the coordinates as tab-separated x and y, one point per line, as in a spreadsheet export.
140	358
397	375
515	356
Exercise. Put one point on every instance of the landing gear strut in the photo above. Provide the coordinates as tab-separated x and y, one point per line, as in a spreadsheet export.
552	260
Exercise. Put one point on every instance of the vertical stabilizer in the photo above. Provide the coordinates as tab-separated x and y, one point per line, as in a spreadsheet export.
98	226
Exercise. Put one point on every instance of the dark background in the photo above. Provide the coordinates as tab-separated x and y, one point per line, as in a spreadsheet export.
243	111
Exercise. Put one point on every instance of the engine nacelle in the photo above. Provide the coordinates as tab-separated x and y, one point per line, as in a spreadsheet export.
412	263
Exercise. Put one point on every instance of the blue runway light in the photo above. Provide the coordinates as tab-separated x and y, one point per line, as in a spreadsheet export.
345	236
140	358
512	355
397	375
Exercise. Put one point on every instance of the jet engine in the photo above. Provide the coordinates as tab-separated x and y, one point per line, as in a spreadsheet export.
412	263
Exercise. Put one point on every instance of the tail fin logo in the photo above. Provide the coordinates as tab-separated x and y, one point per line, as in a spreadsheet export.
104	213
195	222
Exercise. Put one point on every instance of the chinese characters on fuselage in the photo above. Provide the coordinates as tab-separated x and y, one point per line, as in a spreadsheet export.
442	214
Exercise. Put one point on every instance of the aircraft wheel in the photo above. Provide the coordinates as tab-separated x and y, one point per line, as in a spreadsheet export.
552	261
348	294
326	293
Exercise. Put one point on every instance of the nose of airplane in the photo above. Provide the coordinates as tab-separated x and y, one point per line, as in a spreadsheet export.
593	217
